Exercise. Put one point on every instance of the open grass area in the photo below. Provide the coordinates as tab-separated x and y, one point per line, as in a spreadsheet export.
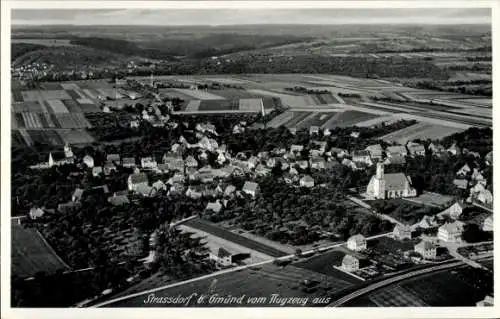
348	118
31	253
421	131
260	281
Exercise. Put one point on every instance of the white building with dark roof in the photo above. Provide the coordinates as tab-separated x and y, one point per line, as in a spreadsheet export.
356	243
375	151
350	263
134	180
396	150
426	249
395	185
251	188
451	232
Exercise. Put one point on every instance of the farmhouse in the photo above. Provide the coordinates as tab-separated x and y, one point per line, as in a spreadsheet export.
451	232
96	171
375	151
109	168
395	185
464	171
401	232
134	180
307	181
488	223
426	249
191	162
362	156
216	206
454	149
428	222
148	163
118	200
415	149
350	263
436	149
115	158
356	243
251	188
455	210
88	160
223	257
396	150
128	162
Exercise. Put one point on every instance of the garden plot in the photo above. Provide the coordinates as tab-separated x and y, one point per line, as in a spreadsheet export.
199	95
421	131
72	106
287	99
30	96
192	105
250	105
281	119
218	105
17	96
54	95
78	136
31	253
57	106
297	117
31	120
26	137
396	296
84	101
32	106
317	119
90	94
234	94
50	137
76	120
348	118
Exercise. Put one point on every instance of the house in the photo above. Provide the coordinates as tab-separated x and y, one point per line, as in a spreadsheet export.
401	232
136	179
362	156
350	263
216	206
415	149
303	164
356	243
296	149
191	162
261	170
36	212
455	210
89	161
252	162
109	168
145	190
68	207
128	162
317	163
230	189
313	130
488	301
327	132
338	152
77	195
396	150
194	193
461	183
206	127
118	200
263	155
148	163
454	149
489	158
354	134
451	232
115	158
134	124
96	171
426	249
395	160
436	149
208	144
159	185
251	188
306	181
375	151
428	222
320	146
292	130
488	223
464	171
352	165
223	257
395	185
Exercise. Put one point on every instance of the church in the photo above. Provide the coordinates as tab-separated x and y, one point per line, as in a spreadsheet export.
395	185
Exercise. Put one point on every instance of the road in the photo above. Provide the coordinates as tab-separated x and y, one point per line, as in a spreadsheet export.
235	238
221	272
373	212
392	280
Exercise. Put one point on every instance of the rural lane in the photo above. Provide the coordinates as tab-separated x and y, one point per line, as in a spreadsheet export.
221	272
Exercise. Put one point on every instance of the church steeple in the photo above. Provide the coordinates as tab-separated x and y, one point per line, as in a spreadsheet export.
380	170
51	160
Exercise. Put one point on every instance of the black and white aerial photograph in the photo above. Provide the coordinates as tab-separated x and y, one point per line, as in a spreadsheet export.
250	157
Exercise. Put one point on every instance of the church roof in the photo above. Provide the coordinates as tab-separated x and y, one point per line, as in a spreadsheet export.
395	181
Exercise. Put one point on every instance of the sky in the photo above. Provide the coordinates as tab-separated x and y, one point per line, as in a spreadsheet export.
250	16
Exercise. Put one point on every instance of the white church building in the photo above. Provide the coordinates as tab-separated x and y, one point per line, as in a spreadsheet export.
394	185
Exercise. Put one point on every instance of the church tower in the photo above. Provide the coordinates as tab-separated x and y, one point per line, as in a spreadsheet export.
67	150
379	185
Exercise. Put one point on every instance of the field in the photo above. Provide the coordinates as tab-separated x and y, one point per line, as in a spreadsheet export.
261	281
421	131
46	42
31	253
